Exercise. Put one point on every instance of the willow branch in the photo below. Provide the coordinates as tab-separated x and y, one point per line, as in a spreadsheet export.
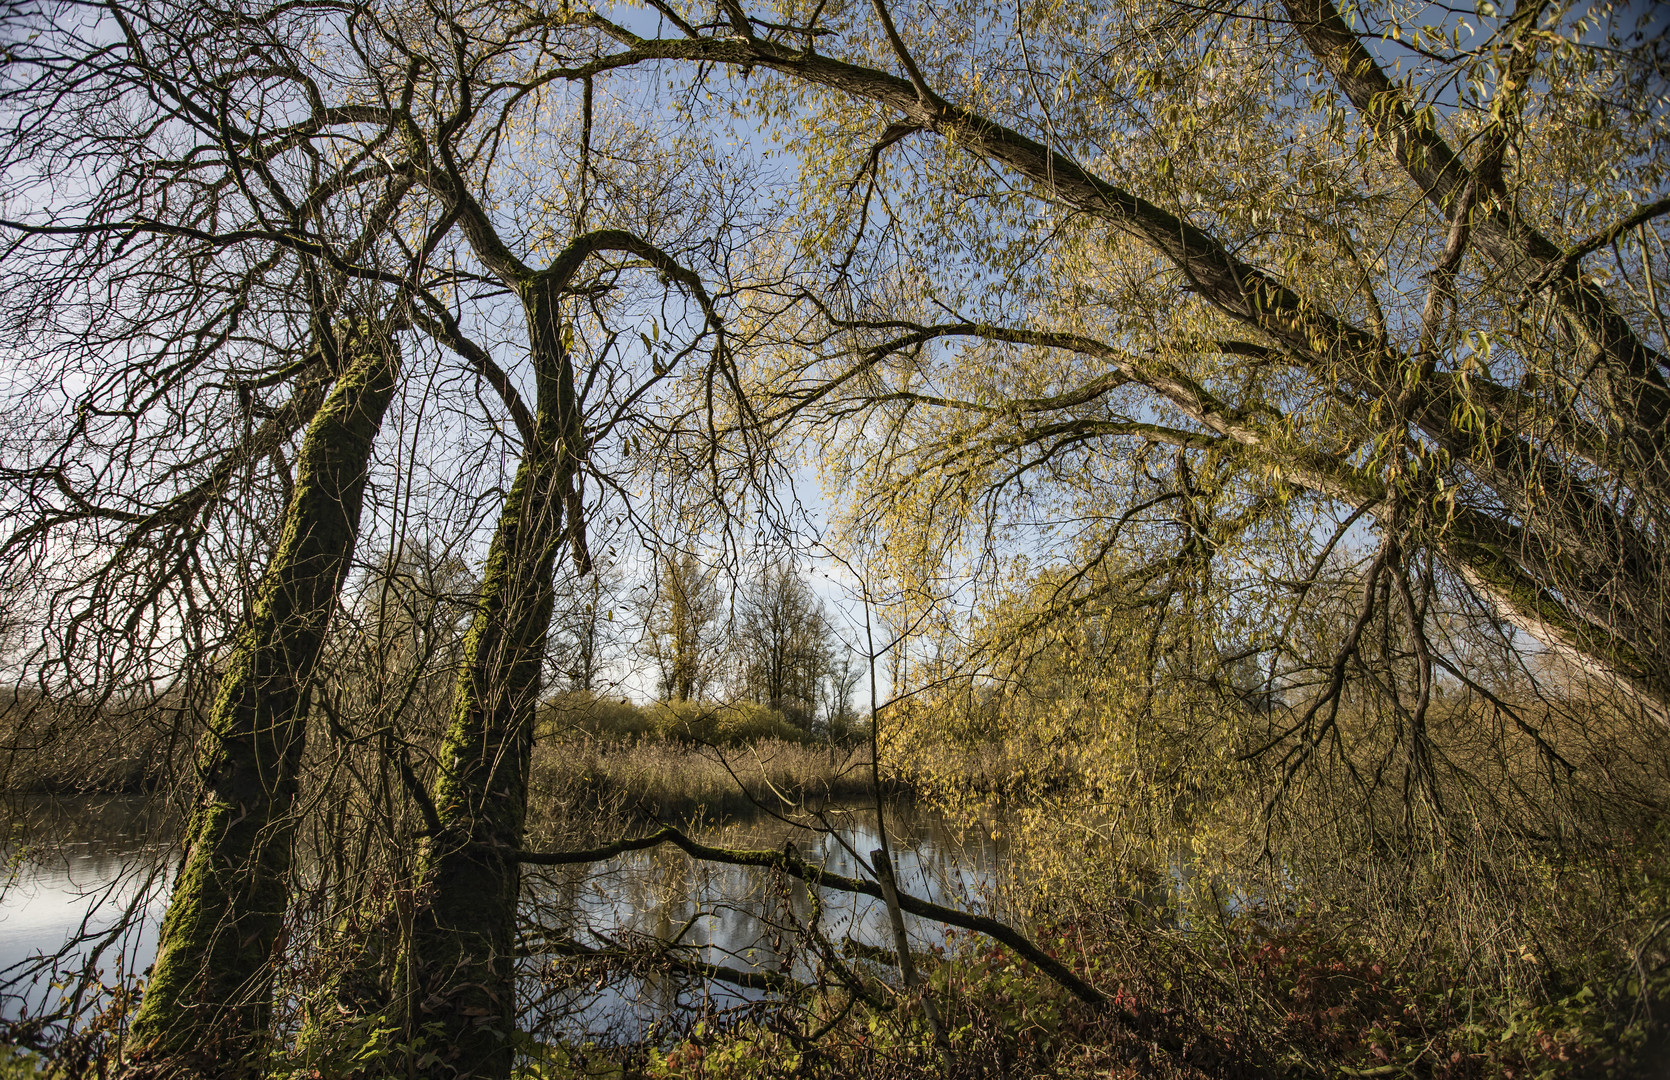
792	864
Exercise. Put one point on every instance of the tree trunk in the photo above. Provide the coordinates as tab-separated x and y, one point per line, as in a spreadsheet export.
206	1006
461	996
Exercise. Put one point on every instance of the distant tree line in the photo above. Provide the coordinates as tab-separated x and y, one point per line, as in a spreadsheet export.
763	636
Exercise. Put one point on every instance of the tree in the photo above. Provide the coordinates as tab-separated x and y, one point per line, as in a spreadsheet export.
1109	301
781	643
682	627
210	987
196	204
837	690
279	99
1319	288
475	74
586	633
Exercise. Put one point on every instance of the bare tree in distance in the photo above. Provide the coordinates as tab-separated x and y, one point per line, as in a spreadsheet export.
591	624
684	622
782	643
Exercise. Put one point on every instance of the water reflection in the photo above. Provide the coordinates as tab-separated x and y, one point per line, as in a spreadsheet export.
740	917
78	867
84	883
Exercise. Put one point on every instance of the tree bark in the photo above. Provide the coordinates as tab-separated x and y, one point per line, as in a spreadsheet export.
206	1006
460	999
458	994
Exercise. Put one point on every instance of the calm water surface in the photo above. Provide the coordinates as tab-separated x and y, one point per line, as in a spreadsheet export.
87	878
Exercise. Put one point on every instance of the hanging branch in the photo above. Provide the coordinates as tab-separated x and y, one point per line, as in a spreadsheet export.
771	981
791	863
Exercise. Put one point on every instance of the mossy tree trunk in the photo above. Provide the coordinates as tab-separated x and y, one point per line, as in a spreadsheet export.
461	995
206	1006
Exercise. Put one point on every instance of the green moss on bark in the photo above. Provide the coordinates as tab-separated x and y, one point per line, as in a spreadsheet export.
462	995
206	1005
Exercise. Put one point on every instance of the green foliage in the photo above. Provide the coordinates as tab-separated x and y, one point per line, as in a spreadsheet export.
556	1061
714	723
371	1047
18	1064
362	1046
722	723
749	1054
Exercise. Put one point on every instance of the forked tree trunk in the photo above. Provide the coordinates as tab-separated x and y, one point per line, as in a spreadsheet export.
460	993
206	1006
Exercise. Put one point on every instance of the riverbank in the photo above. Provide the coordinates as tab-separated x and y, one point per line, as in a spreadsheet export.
670	754
1204	973
1268	996
1290	989
673	779
53	748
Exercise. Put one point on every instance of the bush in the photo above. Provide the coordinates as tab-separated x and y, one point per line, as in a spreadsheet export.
727	723
717	723
581	713
16	1064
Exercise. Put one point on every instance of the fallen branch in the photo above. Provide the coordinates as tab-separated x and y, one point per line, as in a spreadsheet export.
772	981
792	864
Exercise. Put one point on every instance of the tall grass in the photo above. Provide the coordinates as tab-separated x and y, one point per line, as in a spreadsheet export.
608	781
76	748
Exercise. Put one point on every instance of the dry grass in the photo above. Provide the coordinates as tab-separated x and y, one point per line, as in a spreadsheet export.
604	779
73	749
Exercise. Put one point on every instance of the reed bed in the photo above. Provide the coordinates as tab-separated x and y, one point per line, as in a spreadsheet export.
605	779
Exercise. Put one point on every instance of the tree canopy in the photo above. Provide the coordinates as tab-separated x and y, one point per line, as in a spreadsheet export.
1232	374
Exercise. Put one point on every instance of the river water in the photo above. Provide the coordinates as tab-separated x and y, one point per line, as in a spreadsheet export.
86	879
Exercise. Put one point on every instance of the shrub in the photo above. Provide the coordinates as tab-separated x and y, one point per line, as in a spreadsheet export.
717	723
